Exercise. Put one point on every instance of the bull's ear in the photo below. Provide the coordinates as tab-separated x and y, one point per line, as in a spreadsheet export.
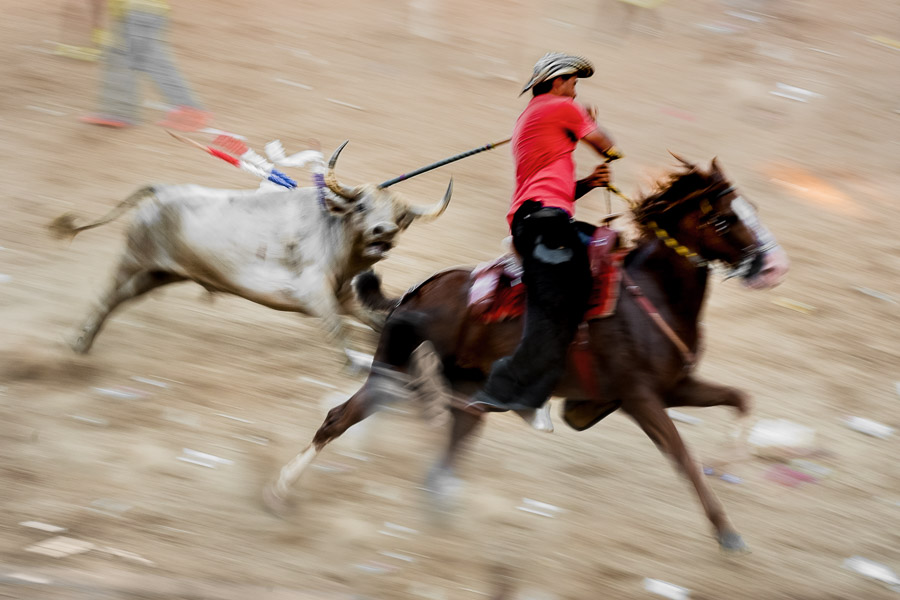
336	205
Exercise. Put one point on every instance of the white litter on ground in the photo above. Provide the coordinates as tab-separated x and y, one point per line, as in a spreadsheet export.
666	589
42	526
60	546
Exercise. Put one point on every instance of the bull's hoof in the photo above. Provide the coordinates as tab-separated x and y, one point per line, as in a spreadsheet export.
732	543
79	345
274	502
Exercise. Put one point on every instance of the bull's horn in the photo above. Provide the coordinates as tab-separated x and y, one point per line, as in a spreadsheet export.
331	180
433	212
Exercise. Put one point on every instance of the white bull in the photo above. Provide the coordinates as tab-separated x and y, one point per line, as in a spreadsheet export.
295	250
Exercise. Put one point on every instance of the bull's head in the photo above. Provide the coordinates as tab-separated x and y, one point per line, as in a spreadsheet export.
375	213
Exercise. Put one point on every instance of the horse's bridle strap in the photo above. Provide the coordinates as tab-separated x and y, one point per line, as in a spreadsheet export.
689	357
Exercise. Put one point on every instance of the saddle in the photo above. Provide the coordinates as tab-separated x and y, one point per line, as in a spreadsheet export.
497	292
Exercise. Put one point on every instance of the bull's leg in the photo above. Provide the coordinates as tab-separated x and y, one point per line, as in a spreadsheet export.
129	282
692	392
649	413
442	482
319	301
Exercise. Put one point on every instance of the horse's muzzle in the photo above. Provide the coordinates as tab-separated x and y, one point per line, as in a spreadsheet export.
767	270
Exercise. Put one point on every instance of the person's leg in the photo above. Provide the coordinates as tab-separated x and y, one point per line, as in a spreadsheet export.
118	95
557	279
157	62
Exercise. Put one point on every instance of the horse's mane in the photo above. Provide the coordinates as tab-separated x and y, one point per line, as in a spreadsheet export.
677	190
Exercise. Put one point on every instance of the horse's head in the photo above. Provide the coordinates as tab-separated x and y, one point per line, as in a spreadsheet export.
703	217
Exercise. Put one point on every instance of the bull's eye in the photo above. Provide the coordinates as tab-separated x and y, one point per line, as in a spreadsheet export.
359	208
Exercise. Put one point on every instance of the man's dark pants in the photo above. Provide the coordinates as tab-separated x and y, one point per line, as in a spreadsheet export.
558	283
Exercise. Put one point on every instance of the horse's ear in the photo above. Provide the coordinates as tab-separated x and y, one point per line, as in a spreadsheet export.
714	166
691	166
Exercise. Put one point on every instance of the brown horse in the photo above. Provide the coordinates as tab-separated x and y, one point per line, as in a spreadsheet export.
639	364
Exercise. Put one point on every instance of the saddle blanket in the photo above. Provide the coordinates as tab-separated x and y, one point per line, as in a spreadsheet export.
497	292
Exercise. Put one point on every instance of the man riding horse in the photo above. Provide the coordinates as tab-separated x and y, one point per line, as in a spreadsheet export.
554	258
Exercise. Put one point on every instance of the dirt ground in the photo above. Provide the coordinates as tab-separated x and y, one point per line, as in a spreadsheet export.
92	443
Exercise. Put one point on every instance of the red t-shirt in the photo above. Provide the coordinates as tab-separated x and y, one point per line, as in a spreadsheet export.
543	140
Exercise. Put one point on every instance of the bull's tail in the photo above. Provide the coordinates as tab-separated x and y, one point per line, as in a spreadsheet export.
63	227
368	289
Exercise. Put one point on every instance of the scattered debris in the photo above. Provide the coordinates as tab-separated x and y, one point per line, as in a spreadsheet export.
666	589
100	422
539	508
709	471
203	459
729	478
46	111
253	439
397	555
224	416
4	278
120	393
875	294
42	526
28	577
793	92
347	104
161	384
683	418
127	555
869	427
794	305
884	41
780	438
302	86
873	570
785	475
375	568
60	546
745	16
399	531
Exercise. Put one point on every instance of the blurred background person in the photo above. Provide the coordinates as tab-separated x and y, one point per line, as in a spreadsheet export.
82	20
138	30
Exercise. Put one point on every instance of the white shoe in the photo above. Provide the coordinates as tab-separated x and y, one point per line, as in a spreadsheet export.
538	418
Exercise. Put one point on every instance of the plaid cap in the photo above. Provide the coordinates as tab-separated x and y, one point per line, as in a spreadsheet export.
554	64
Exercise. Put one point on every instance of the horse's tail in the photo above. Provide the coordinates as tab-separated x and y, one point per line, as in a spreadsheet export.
63	227
368	289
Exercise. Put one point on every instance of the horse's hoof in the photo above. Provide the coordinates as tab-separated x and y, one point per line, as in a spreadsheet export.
733	543
274	502
443	490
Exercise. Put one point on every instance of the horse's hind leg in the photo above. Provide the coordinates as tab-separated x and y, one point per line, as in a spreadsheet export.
649	413
129	282
692	392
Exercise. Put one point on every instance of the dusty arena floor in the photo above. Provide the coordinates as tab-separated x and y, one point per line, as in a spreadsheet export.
92	443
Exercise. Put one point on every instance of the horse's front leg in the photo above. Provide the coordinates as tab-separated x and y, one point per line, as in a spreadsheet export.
692	392
649	413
